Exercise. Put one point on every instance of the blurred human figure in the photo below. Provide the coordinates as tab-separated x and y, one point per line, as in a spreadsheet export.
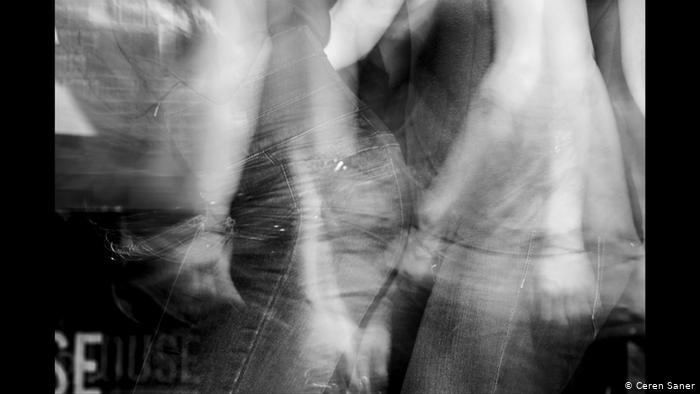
525	225
279	245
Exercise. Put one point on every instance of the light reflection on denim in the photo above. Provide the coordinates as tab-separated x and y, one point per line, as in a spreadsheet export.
485	228
321	217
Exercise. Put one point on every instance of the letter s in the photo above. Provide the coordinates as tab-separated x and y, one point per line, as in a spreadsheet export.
61	375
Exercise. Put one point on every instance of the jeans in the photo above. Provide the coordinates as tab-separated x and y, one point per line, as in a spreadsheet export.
321	216
481	331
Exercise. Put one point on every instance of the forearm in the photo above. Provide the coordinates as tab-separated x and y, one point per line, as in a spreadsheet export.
541	38
632	22
518	31
224	145
518	161
227	59
356	26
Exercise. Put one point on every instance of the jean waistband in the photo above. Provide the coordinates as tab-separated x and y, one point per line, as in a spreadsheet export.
537	243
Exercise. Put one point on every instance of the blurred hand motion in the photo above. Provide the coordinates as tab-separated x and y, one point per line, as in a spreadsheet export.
359	196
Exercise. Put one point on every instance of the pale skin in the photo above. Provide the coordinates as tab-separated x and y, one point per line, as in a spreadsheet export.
356	26
543	62
224	62
543	71
632	25
366	355
232	47
239	49
543	68
236	49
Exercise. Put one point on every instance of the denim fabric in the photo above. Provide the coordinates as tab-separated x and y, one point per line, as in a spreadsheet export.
451	54
321	214
482	330
320	211
481	333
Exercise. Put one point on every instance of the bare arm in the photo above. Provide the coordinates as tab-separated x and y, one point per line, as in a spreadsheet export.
356	26
632	22
520	161
225	61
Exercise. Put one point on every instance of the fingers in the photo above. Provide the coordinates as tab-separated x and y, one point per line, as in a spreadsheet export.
206	270
359	378
559	314
223	282
564	308
379	371
564	288
552	309
578	306
368	366
544	308
360	381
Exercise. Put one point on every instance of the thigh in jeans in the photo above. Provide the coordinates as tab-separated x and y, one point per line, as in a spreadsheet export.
316	242
471	319
482	332
354	219
320	220
243	346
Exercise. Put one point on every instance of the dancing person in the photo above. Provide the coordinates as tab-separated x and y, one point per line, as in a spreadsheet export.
279	246
526	224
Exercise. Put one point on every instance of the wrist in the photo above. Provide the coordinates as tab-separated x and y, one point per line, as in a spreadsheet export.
214	216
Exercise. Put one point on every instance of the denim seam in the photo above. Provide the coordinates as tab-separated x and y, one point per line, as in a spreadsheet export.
250	81
280	67
371	148
278	286
393	271
402	210
513	251
294	100
362	107
272	148
314	53
528	253
512	316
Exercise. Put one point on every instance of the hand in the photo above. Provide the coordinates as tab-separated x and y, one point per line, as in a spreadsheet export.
205	271
419	259
565	287
370	365
183	269
363	355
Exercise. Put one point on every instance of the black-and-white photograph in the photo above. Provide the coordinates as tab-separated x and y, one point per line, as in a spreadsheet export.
350	196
